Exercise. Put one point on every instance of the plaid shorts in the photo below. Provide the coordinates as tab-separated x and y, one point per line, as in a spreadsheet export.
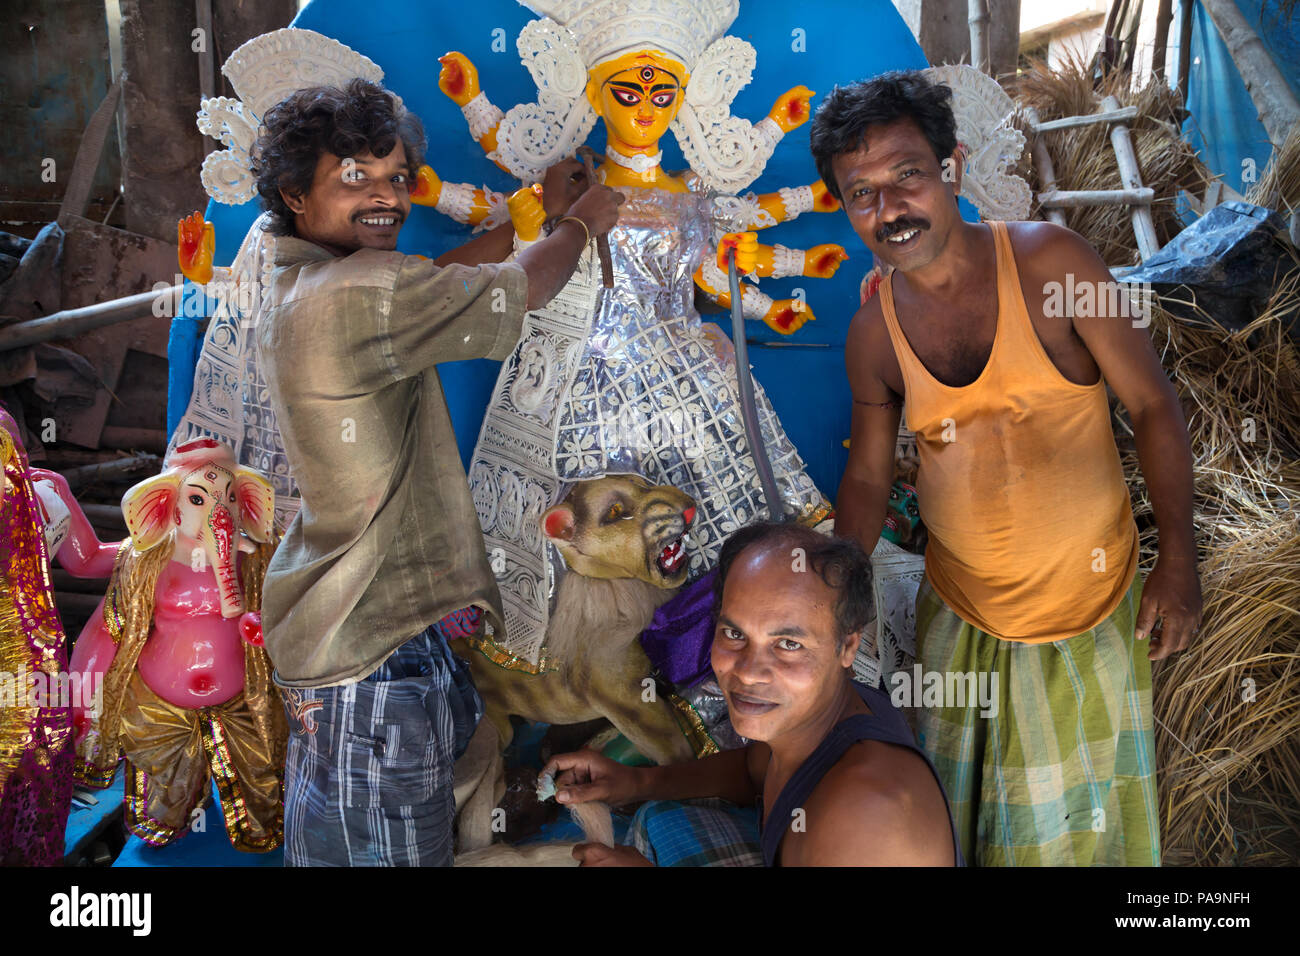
368	781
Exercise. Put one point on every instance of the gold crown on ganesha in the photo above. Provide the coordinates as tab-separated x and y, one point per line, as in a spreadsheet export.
606	29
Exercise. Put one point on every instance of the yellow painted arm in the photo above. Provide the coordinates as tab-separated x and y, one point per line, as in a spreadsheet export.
458	80
460	201
785	316
787	204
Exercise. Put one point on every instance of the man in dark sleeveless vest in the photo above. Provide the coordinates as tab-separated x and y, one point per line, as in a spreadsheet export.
997	341
832	768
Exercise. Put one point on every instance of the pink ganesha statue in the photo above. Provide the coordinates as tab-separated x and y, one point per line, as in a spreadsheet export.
177	643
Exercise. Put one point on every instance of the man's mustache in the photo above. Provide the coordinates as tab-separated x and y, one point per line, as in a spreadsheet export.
902	224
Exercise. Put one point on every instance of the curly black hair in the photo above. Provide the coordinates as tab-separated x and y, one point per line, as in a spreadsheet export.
362	117
840	562
840	123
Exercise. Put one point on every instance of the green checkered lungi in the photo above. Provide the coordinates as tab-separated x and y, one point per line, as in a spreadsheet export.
1063	772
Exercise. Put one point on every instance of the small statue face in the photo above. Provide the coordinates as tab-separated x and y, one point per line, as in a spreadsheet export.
640	98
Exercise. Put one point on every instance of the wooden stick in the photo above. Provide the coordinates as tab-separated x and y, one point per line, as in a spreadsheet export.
1046	171
1184	48
1069	122
602	241
977	18
1164	16
72	322
1074	198
1144	226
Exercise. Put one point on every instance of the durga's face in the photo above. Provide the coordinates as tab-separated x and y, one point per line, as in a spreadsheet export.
638	95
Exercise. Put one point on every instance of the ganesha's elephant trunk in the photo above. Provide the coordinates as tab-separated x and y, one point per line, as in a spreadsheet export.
220	541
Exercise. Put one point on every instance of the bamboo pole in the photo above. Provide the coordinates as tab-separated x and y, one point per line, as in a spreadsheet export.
1279	110
1184	48
1046	171
70	322
1144	226
1164	16
1073	198
1070	122
978	20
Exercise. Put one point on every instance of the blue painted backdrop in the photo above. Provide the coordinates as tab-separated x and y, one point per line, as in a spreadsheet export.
817	44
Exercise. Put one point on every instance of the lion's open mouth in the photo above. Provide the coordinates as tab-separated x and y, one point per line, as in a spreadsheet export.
672	557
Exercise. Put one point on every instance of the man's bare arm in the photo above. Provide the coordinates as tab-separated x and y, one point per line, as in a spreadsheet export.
863	496
495	245
587	775
550	262
1121	347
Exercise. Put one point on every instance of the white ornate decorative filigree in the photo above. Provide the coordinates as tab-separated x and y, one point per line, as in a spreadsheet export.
535	136
481	116
754	304
263	72
796	200
991	144
608	28
786	261
742	213
456	200
727	152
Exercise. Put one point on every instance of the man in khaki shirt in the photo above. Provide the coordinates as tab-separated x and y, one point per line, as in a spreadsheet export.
384	560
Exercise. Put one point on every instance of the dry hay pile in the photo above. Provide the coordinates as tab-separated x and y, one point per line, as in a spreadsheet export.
1279	187
1084	159
1229	765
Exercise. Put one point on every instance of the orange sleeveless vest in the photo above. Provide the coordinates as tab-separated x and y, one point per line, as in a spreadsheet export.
1032	536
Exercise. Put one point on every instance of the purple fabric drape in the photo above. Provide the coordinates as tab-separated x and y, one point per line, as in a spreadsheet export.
680	636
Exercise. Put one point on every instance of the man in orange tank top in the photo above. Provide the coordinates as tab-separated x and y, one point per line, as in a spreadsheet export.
998	340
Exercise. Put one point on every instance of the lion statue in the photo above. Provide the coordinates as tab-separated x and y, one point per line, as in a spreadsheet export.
622	539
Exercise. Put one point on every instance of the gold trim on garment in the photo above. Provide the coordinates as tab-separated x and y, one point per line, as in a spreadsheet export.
503	658
692	726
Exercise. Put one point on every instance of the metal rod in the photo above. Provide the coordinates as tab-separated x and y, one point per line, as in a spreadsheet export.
748	406
70	322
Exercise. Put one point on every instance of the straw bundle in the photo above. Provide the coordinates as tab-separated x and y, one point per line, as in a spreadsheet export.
1279	187
1084	159
1228	708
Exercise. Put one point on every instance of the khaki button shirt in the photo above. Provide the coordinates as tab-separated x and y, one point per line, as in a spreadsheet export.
387	540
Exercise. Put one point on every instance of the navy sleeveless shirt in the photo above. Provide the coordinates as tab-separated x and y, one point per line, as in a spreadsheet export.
884	723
